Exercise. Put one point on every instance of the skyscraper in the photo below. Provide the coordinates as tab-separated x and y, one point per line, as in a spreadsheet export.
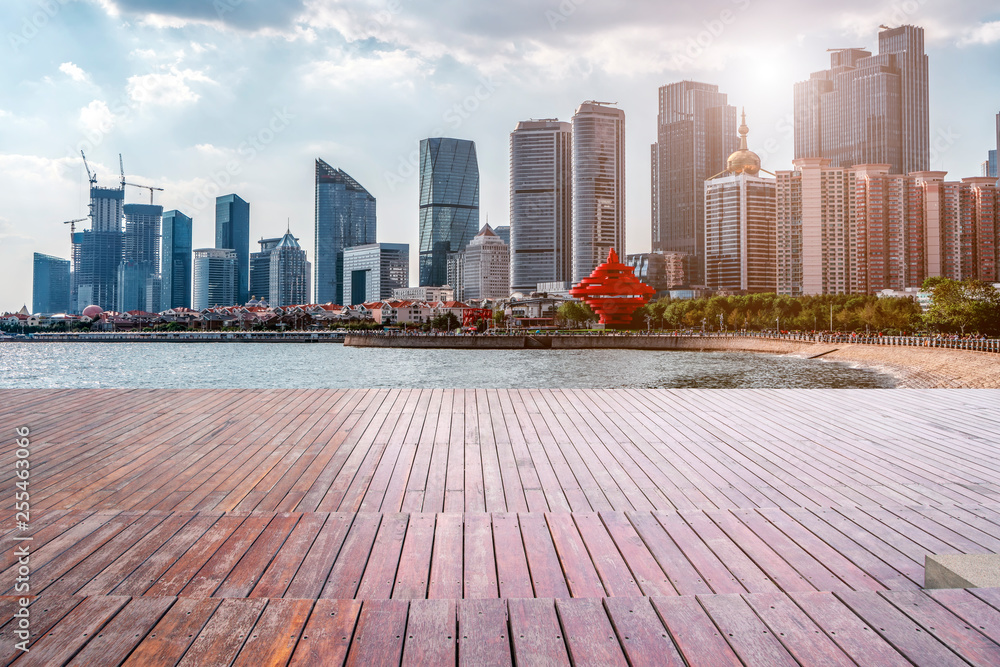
541	203
868	109
97	252
449	204
598	185
140	256
50	284
214	278
175	257
289	279
739	225
232	231
695	133
260	269
373	271
482	270
345	217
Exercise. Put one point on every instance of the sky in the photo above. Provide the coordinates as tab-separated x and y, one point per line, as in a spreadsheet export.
209	97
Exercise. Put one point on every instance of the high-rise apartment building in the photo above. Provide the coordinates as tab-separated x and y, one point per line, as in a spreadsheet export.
868	109
50	286
598	185
739	225
290	271
541	203
140	256
449	203
374	271
695	134
215	281
175	261
232	231
345	217
97	252
482	270
863	229
260	269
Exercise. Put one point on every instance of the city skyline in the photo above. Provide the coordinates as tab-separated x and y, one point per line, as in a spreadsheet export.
480	96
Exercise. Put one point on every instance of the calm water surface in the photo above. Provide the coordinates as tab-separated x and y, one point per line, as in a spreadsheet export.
290	365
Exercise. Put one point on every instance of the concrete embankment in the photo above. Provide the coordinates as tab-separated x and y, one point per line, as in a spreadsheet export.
914	367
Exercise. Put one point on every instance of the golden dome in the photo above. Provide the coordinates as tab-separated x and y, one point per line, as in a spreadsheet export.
744	160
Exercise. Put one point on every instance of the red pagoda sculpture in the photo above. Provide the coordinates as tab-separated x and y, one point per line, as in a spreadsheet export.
613	292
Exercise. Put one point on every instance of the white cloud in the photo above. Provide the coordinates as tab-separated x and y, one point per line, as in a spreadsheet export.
166	88
343	70
74	72
984	33
96	118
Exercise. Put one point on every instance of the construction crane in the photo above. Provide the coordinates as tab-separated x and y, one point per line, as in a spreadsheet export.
91	176
147	187
72	227
121	165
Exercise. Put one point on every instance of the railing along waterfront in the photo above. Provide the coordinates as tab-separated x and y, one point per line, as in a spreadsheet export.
188	336
945	342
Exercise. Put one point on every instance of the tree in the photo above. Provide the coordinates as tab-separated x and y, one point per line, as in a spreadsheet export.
576	313
446	321
967	304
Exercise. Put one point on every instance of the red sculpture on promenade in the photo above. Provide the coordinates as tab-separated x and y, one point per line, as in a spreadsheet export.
613	292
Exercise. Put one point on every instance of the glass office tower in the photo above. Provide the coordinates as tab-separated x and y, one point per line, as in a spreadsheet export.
345	217
175	258
232	230
449	204
50	284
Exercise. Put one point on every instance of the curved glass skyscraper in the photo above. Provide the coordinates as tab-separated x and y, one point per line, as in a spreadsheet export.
449	204
345	217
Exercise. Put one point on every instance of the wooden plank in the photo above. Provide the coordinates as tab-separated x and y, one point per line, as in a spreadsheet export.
589	636
713	571
581	575
74	630
327	635
649	576
311	576
414	569
116	640
972	645
610	566
171	637
446	561
739	563
224	634
276	633
244	576
641	633
973	610
680	572
753	642
547	576
482	631
286	563
379	636
693	632
431	633
480	562
513	576
345	576
851	633
536	633
899	630
225	558
44	613
380	573
797	632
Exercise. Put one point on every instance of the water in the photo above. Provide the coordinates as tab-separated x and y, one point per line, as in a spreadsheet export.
289	365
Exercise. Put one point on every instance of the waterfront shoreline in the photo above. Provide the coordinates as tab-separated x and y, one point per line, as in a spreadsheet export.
913	367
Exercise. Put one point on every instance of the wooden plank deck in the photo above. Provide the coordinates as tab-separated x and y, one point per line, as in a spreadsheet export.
549	526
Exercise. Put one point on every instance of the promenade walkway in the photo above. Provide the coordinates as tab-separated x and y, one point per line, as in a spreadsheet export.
524	526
